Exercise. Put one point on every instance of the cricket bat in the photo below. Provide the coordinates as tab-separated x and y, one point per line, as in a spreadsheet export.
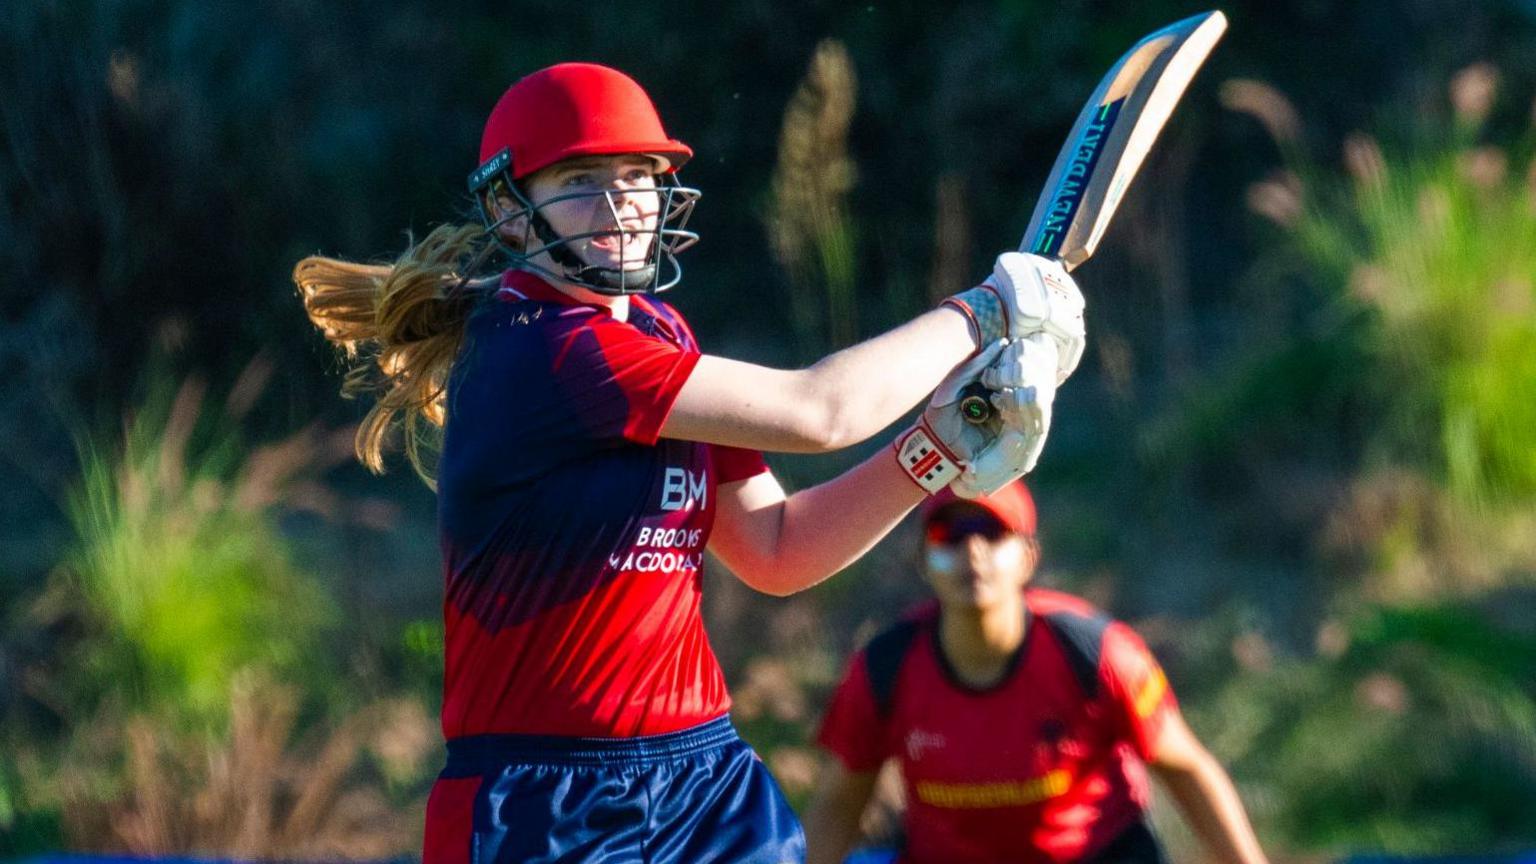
1106	147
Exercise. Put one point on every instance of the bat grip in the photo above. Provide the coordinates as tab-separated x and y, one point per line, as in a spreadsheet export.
975	403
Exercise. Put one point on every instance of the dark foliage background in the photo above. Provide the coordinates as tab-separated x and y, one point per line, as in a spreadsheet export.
1249	465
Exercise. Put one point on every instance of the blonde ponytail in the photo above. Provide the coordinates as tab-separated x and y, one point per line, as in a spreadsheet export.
400	327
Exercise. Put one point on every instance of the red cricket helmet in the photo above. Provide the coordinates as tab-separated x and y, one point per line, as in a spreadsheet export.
576	109
582	109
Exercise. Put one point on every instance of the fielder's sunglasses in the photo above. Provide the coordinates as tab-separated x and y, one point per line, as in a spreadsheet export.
953	531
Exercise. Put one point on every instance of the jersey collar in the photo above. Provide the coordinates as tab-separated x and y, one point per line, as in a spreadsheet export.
518	285
959	683
522	285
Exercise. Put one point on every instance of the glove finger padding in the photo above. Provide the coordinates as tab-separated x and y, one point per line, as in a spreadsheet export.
1041	297
1024	380
984	359
1011	456
943	415
934	452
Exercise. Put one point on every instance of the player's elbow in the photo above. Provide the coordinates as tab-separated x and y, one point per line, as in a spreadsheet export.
781	579
760	570
827	431
846	425
780	591
774	583
1187	760
825	421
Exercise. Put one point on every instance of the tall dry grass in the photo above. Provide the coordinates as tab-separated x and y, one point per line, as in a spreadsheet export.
951	268
1425	250
1401	378
265	791
813	235
178	571
191	700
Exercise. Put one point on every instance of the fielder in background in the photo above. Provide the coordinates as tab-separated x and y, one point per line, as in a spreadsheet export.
1022	719
591	453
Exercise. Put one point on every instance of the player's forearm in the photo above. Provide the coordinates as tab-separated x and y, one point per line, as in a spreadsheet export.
827	527
1209	801
874	382
839	401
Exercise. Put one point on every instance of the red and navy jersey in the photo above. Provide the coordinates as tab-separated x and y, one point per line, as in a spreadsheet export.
572	535
1045	766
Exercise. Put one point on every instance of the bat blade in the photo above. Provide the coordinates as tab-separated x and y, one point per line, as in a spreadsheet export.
1112	135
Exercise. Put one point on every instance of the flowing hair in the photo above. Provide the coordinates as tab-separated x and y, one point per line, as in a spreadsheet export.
400	327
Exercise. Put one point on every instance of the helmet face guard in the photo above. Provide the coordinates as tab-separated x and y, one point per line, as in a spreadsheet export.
656	271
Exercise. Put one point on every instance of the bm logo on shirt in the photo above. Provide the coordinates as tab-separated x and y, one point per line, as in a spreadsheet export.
682	489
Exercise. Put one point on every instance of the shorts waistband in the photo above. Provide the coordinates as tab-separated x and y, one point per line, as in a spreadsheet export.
475	754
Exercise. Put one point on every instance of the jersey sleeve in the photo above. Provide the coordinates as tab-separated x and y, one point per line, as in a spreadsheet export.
1137	688
735	463
852	729
617	381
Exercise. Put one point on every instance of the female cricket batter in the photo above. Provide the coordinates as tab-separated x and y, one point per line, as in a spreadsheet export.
1021	719
590	455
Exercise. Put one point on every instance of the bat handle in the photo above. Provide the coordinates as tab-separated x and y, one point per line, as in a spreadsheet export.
976	403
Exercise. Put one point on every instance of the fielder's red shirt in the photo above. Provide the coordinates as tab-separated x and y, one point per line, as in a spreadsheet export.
1033	769
572	536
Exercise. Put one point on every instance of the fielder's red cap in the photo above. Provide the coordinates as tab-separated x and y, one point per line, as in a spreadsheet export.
1012	504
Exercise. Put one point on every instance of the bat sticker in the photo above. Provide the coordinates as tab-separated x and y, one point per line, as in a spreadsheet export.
1074	180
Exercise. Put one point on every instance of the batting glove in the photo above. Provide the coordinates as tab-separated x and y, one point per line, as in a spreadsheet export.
1023	381
937	449
1028	294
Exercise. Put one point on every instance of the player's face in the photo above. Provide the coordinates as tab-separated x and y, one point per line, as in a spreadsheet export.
613	195
973	561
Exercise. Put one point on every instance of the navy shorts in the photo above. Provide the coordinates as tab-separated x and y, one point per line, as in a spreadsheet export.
687	797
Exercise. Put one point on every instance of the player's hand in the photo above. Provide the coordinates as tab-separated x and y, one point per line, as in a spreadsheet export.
1041	296
936	450
1028	294
1023	385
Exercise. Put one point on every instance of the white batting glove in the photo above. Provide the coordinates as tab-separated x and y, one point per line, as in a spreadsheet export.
1023	381
936	450
1028	294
